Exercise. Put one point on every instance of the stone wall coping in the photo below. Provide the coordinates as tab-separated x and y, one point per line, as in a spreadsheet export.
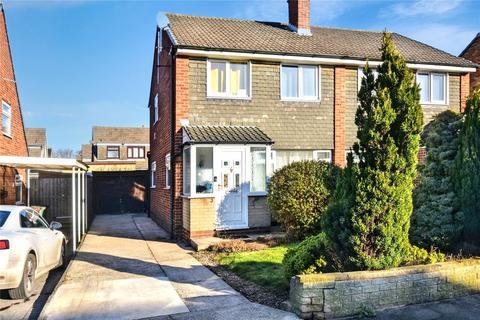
373	274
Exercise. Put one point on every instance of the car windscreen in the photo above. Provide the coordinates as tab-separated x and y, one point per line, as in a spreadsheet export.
3	217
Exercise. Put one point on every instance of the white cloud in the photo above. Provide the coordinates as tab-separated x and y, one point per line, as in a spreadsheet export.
424	7
450	38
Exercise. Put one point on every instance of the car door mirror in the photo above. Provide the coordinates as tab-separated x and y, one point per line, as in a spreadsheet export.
54	225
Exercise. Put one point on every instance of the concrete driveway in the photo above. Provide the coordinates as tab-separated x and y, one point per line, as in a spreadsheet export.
126	269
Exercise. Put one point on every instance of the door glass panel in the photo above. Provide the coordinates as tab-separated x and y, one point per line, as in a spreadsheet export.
225	180
237	180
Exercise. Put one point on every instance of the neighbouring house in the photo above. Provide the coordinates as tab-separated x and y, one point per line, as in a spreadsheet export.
231	101
12	137
117	149
37	142
472	53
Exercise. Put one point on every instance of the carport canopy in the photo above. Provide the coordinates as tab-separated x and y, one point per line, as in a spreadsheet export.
35	163
78	171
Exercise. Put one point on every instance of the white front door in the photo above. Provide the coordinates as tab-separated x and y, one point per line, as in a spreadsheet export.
231	196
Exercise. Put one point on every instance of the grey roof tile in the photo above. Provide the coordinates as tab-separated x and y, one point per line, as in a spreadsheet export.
277	38
226	134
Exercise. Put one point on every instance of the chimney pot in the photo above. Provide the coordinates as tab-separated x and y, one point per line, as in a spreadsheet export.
299	16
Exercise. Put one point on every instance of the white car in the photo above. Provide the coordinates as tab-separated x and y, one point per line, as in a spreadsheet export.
29	248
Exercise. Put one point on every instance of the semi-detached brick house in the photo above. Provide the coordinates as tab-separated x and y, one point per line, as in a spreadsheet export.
12	135
233	100
472	53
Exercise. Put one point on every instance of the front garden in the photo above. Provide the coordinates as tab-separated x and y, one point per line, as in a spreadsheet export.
380	213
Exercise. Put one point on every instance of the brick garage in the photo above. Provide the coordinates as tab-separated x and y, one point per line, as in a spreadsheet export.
15	143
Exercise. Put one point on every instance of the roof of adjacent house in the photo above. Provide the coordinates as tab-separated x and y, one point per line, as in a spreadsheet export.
226	134
139	135
196	32
86	152
36	136
470	44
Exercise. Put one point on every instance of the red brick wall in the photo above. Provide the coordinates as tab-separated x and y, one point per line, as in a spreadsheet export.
473	54
160	145
299	13
339	116
16	144
464	90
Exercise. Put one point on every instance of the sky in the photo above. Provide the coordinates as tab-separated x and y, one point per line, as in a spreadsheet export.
85	63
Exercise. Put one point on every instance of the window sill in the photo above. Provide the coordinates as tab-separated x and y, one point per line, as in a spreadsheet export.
153	187
198	196
441	103
166	188
7	135
300	100
229	98
257	194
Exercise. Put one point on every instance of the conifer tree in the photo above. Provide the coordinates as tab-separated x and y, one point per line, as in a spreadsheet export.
373	226
467	169
437	220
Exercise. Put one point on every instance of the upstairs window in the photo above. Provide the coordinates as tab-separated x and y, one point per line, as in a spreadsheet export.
136	152
6	119
300	82
155	109
228	79
153	174
113	152
433	87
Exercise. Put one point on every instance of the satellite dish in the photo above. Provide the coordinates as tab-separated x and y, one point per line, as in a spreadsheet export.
162	20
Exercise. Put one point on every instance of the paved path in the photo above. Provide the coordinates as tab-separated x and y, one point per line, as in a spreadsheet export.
126	269
466	308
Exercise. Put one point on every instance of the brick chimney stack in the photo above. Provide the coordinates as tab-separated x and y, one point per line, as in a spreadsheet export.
299	16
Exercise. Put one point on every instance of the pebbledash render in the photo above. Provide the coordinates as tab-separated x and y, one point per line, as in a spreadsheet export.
232	101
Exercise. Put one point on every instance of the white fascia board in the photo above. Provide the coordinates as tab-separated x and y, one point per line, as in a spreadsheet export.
170	35
304	59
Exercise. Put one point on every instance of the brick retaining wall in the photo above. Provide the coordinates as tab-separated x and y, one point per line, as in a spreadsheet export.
330	295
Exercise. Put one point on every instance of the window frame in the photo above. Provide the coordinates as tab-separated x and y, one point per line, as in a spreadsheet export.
316	152
318	87
156	114
113	147
168	171
446	87
250	165
9	115
153	174
135	147
227	94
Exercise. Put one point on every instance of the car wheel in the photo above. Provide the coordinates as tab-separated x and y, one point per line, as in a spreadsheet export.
25	288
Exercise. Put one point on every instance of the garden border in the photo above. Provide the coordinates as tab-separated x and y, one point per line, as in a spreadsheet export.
330	295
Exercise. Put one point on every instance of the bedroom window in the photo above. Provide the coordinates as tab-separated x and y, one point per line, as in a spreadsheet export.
300	82
433	87
113	152
228	79
168	171
135	152
153	174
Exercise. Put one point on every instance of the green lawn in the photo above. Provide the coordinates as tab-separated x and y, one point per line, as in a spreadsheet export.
263	267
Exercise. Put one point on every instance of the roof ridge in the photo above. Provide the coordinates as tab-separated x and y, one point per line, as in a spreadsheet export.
263	21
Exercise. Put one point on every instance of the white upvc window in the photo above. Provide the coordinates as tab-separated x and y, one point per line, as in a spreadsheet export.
258	165
322	155
198	168
433	87
153	174
356	159
168	171
361	75
6	119
300	82
228	79
155	109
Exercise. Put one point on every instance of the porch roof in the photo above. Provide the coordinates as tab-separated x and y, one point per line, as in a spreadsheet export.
36	163
203	134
